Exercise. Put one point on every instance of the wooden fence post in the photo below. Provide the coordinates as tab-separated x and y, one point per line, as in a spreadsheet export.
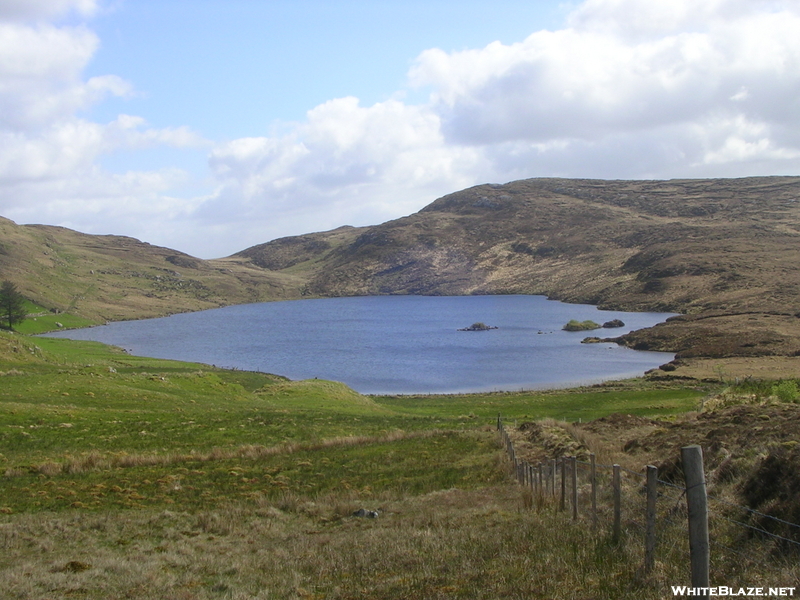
697	503
541	479
553	476
617	504
593	475
573	465
563	503
650	528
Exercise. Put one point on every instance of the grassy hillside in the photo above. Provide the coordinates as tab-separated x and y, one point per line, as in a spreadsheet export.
680	245
123	476
722	252
102	278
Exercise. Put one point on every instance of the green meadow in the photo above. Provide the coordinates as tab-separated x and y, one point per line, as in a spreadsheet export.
41	320
95	416
156	467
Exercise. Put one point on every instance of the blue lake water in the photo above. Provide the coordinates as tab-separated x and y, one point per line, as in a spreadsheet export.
396	344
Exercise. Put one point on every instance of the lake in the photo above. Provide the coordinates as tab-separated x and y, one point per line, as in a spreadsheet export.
397	344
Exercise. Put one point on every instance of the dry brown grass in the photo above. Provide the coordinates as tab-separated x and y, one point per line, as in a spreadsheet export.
548	438
97	461
495	542
449	544
740	555
686	246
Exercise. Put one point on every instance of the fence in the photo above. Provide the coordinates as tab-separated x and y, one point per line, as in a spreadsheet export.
601	493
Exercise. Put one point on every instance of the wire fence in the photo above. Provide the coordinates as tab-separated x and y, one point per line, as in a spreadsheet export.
639	502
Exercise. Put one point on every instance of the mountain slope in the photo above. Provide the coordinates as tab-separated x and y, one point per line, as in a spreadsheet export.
724	252
105	277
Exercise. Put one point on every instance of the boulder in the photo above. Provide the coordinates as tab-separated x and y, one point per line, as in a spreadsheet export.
613	323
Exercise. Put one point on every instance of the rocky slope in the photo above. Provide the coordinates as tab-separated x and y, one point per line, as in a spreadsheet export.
721	252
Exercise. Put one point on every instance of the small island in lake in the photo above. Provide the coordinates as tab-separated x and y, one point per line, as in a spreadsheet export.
575	325
478	327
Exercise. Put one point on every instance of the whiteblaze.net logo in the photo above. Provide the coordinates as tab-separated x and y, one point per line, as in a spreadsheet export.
722	590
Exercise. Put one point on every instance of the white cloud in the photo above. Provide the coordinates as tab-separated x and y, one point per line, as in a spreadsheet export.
733	139
50	156
626	89
631	88
341	149
588	82
346	164
45	10
40	75
70	148
136	204
131	132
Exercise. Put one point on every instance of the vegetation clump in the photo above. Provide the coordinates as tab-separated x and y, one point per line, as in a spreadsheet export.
479	326
786	391
575	325
773	488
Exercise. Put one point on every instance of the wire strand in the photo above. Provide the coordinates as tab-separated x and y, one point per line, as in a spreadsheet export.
683	490
764	531
755	512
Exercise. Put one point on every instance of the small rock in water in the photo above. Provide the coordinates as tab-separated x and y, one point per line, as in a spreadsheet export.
613	323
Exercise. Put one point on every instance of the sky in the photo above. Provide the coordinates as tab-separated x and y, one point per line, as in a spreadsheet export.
209	126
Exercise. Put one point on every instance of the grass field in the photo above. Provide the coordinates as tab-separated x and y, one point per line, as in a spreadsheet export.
130	477
41	320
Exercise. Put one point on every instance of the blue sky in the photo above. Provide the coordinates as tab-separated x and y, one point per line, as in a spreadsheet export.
248	67
230	69
210	126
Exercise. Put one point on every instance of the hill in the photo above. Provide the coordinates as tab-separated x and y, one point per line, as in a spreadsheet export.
108	277
722	252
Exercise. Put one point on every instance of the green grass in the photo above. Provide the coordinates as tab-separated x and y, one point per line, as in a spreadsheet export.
182	480
566	405
77	418
404	464
69	397
575	325
42	320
